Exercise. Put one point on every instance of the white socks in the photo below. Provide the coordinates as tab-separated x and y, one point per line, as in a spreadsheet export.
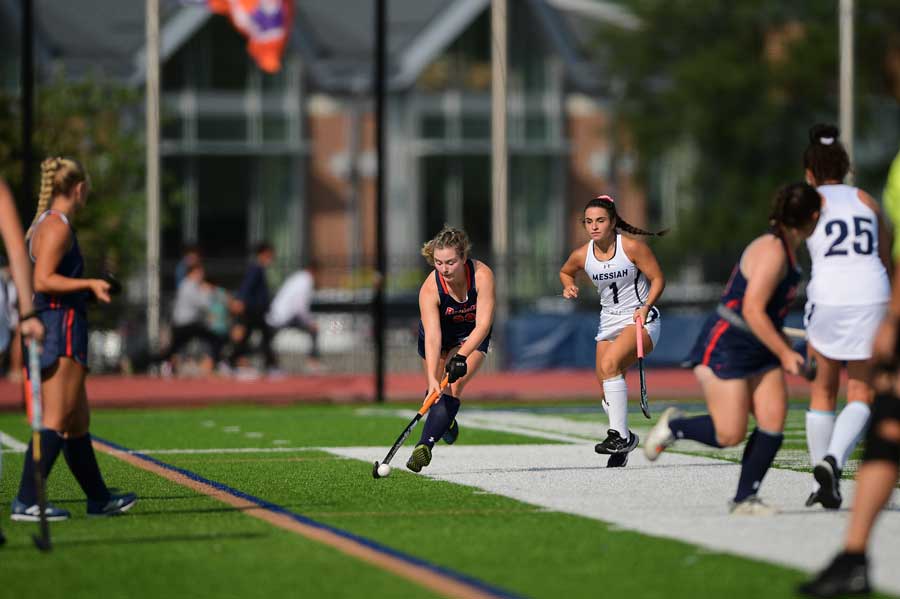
848	428
819	426
617	404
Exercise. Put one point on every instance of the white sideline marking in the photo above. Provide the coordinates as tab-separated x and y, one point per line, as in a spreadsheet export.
683	497
497	421
222	450
14	444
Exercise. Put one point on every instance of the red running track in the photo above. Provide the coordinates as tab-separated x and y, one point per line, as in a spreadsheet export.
140	391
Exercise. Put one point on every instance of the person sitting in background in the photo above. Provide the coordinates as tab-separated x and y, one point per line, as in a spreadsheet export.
189	318
251	304
189	257
291	309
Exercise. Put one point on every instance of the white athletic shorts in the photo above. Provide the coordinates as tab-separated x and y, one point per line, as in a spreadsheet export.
611	324
843	332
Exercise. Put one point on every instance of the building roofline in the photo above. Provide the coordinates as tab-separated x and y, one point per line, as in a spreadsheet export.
174	33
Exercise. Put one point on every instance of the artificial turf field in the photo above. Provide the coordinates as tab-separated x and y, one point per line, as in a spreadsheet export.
178	542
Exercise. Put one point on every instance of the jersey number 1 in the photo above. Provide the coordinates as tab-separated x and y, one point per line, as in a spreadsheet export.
615	290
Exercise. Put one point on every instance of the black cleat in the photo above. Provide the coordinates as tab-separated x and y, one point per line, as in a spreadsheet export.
828	475
614	443
846	575
421	457
452	433
617	460
2	538
114	506
813	499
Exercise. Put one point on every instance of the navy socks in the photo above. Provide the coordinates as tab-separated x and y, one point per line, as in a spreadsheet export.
698	428
51	443
439	419
759	454
79	454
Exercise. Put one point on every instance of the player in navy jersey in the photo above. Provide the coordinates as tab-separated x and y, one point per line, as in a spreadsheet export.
456	305
61	294
743	372
629	282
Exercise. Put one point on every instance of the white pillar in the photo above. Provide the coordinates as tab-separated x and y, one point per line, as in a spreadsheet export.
152	31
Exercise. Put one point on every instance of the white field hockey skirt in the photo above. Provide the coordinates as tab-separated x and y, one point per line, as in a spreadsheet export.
611	324
843	332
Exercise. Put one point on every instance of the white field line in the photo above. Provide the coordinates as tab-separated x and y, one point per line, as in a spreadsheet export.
222	450
14	445
683	497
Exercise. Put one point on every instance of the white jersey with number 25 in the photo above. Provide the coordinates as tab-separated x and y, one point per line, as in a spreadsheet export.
846	266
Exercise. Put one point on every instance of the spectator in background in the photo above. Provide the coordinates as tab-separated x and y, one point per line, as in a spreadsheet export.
189	318
189	257
291	309
251	304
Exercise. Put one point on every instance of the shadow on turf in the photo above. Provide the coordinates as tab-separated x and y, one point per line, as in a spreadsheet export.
61	543
140	497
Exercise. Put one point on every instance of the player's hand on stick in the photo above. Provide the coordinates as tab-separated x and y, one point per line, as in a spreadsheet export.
570	292
434	386
793	363
456	367
642	312
31	327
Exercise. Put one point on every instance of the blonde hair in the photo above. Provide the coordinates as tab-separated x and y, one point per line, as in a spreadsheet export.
59	176
448	237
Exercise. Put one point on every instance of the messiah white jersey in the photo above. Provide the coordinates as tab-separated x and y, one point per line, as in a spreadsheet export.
846	266
621	286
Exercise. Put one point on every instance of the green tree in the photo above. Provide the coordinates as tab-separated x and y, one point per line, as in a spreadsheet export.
92	121
740	83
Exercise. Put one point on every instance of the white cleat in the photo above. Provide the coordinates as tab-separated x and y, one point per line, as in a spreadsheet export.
660	435
752	506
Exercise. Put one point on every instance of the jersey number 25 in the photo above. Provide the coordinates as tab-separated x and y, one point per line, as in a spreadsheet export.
863	232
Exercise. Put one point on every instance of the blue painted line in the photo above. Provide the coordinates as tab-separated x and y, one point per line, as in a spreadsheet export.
272	507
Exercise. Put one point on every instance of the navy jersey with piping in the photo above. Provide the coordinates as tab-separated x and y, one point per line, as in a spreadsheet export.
64	315
71	265
457	318
731	352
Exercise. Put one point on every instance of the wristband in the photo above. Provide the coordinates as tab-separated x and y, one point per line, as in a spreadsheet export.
30	315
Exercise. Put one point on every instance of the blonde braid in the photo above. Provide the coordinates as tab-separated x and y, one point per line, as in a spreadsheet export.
48	173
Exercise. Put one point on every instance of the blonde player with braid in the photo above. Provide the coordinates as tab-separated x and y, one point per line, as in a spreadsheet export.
629	282
60	299
456	304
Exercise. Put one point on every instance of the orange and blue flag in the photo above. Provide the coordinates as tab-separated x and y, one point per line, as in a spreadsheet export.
266	23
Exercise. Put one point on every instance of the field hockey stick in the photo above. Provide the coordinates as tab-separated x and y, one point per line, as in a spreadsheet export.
429	401
639	332
41	541
809	368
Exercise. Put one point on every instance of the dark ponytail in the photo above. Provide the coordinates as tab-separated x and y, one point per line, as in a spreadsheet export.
794	205
825	156
609	204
